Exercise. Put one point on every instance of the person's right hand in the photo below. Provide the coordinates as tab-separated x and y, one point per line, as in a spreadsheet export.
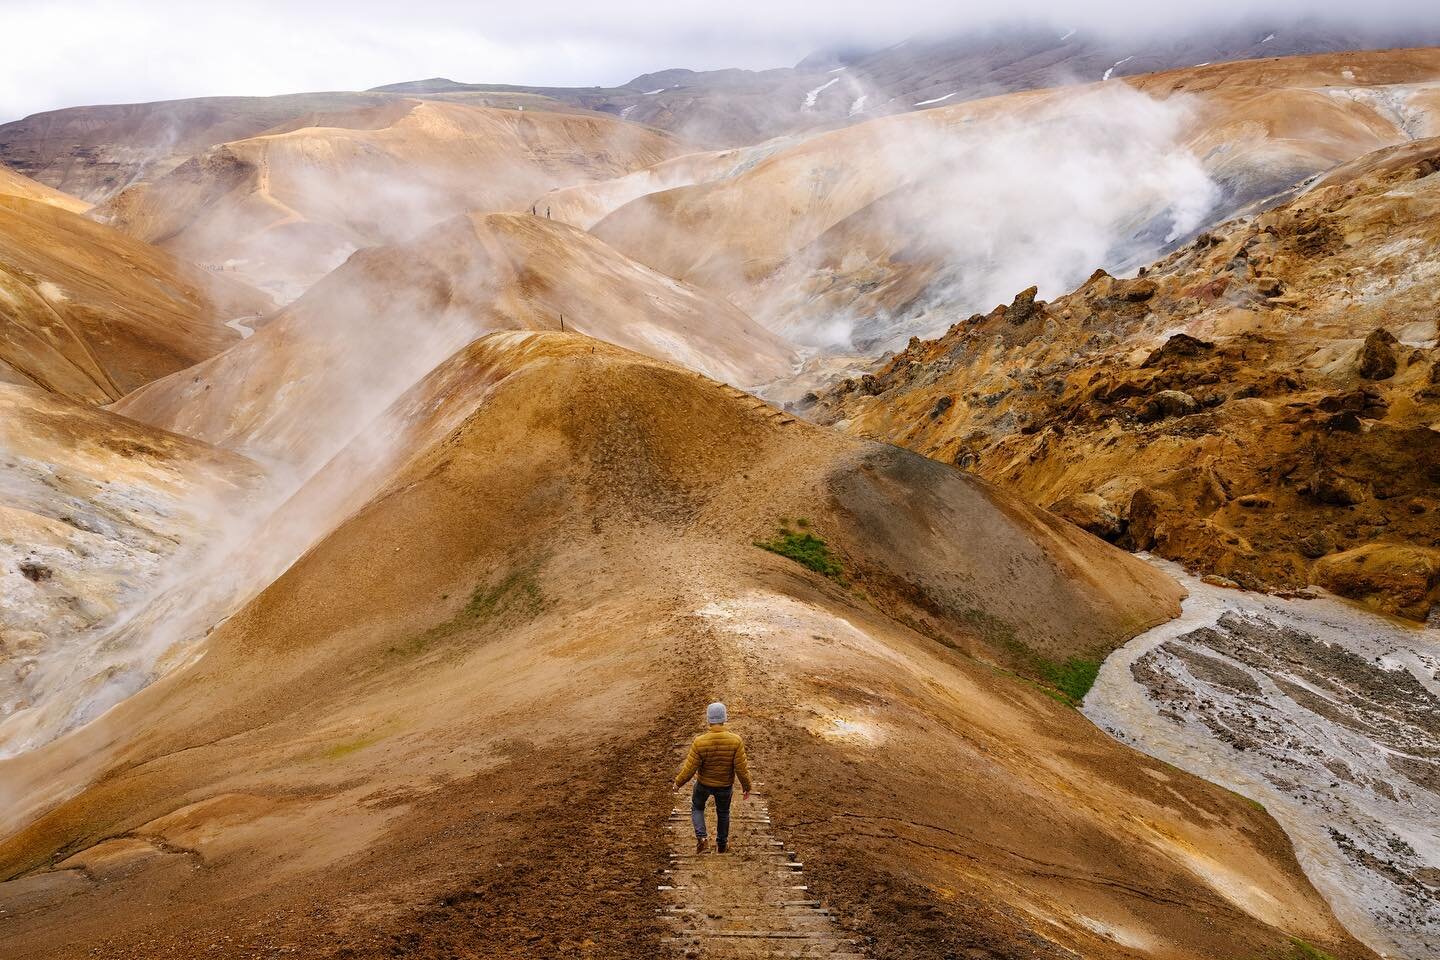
745	795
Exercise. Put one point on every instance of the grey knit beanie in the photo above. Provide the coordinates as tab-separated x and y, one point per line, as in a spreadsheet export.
715	713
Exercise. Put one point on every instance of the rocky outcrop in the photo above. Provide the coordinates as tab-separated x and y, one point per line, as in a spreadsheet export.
1169	403
1179	349
1393	578
1377	356
1248	405
1092	513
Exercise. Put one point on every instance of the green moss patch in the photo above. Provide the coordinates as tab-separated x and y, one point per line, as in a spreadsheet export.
1066	681
806	549
517	596
1073	678
1300	950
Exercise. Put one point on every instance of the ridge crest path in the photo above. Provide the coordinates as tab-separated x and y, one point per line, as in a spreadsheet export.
749	902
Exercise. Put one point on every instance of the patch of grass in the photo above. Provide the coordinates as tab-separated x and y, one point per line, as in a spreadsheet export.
1073	678
518	595
1304	951
805	549
1297	950
1066	681
1250	800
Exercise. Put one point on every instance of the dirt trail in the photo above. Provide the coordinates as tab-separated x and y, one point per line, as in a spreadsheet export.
751	901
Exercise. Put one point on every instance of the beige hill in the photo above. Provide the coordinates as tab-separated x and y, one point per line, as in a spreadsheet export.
586	204
1263	404
449	728
328	364
13	184
286	207
864	220
92	152
1265	124
90	313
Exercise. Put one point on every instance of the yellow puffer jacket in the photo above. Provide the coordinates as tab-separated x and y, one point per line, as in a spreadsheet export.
719	757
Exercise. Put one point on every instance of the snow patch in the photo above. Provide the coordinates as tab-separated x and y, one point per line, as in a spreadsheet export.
1114	65
1067	34
858	105
947	96
1268	38
651	93
809	103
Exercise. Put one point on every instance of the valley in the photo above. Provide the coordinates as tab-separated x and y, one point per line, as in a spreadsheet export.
1032	437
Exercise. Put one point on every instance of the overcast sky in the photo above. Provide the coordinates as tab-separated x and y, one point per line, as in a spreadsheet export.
71	52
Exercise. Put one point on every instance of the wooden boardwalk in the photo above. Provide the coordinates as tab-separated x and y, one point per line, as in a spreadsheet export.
749	902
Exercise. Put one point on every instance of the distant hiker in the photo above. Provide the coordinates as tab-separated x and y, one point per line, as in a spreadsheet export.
716	758
547	213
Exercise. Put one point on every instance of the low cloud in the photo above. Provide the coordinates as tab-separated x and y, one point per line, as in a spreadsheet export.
73	52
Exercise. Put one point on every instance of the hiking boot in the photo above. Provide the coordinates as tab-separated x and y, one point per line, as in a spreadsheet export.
700	844
719	848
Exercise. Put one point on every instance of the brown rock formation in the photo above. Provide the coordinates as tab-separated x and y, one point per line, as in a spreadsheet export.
1192	395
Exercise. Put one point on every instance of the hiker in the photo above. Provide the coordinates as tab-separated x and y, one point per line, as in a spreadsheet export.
716	758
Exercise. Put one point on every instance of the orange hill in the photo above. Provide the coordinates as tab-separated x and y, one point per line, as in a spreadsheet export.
1261	405
453	721
13	184
92	314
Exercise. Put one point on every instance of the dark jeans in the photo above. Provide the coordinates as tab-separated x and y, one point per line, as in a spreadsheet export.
698	796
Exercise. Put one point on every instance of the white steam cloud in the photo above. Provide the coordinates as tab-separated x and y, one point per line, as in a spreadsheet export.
316	381
993	205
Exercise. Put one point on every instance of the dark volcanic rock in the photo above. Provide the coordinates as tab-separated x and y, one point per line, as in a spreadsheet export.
1180	347
1377	356
1169	403
1024	306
